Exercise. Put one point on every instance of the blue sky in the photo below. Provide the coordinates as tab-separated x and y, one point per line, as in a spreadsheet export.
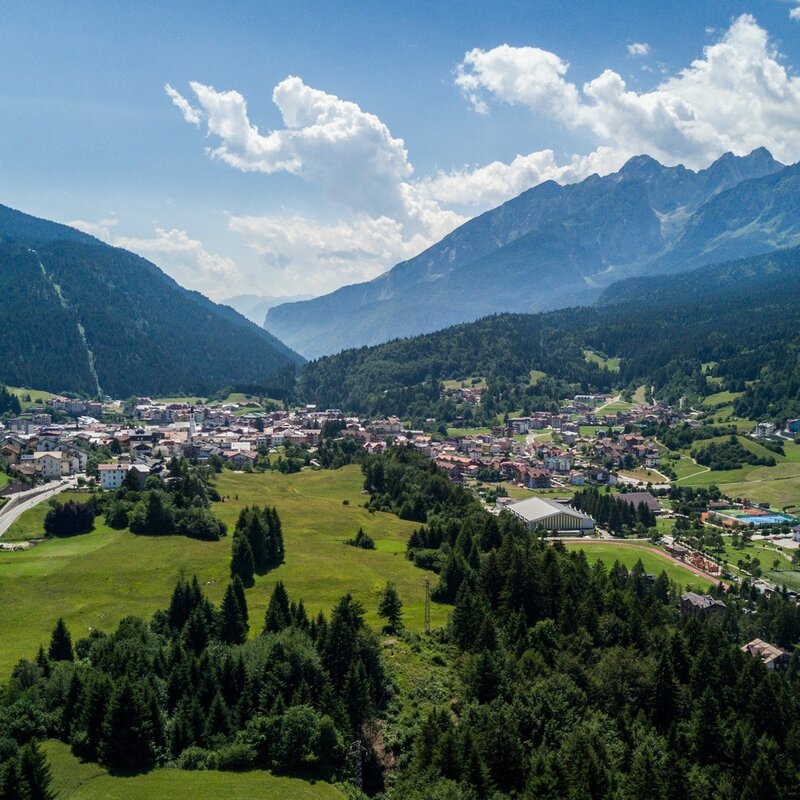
391	123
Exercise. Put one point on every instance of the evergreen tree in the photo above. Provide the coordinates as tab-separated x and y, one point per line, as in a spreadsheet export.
127	742
278	614
390	608
238	588
242	559
61	643
233	624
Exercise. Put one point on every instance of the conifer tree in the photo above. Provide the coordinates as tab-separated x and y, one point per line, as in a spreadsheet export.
278	615
390	608
238	588
233	626
242	559
127	731
61	643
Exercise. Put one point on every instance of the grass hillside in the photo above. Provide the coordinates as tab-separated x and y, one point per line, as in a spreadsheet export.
96	579
74	780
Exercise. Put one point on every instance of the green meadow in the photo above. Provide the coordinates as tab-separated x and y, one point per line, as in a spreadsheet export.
95	579
629	553
75	780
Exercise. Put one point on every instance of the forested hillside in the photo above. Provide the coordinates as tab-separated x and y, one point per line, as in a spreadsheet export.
740	317
80	316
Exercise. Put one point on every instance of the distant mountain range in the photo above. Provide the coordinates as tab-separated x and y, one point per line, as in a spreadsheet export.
557	246
255	306
733	326
79	315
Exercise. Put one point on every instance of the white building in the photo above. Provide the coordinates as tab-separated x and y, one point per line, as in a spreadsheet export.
537	512
112	475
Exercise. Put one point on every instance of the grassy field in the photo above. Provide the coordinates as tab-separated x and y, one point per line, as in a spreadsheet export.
639	396
613	407
629	553
611	364
789	579
642	474
31	524
183	400
74	780
34	394
473	382
535	376
778	485
4	479
95	579
721	398
468	431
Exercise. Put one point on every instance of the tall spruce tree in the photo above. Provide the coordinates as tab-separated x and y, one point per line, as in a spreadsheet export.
233	623
242	559
61	643
390	608
278	615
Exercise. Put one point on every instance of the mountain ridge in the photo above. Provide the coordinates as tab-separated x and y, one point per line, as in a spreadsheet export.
551	246
80	315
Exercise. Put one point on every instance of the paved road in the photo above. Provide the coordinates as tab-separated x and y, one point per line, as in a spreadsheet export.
9	515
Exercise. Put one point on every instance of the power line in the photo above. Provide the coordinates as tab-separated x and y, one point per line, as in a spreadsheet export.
357	753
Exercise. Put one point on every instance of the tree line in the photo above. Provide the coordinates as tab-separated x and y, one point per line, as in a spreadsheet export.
190	689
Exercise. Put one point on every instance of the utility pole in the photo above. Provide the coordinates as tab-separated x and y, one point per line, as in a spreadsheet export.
357	752
427	605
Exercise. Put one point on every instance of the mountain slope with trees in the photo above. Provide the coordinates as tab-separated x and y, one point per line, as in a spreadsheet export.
78	315
741	316
555	246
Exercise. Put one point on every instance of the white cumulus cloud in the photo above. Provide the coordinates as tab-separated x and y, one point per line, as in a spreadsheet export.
638	49
737	96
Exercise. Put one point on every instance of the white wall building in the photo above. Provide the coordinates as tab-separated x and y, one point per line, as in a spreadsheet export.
112	475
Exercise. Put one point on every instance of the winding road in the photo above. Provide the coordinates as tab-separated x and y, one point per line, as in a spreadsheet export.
10	513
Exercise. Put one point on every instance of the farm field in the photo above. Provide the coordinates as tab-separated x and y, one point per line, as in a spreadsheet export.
629	553
74	780
95	579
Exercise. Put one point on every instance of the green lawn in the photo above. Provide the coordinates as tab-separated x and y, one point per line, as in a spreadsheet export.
614	407
74	780
629	553
642	474
95	579
4	479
